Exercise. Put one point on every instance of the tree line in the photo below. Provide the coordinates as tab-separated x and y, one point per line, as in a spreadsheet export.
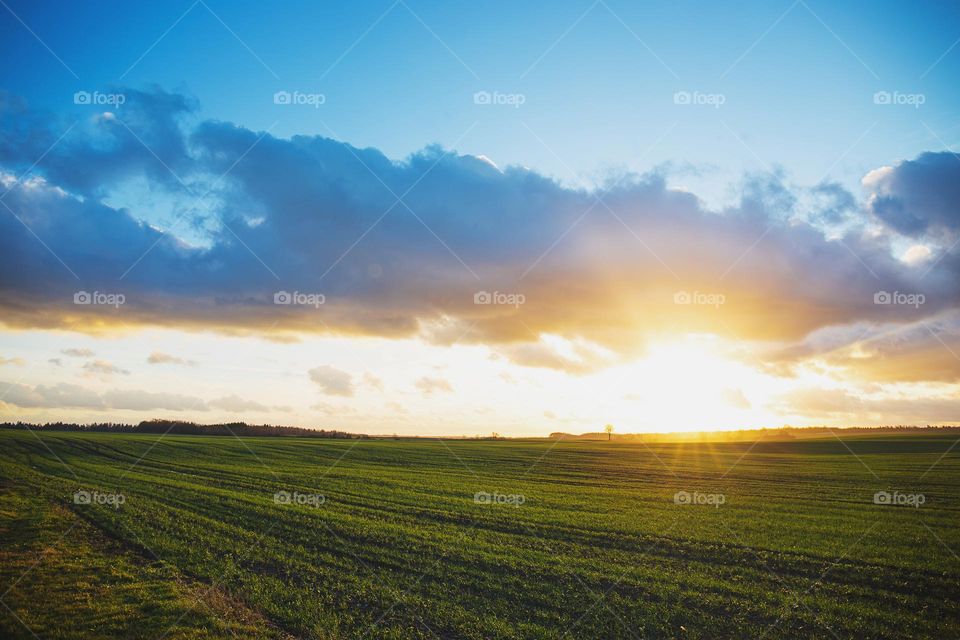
186	428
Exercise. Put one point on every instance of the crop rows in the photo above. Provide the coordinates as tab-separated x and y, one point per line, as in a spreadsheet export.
515	539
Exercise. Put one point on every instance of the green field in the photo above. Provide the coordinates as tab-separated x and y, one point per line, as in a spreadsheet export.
388	539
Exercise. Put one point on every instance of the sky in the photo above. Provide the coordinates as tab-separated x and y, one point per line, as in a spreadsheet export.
464	218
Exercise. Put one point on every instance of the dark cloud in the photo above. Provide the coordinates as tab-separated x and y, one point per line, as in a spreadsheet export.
918	197
309	216
142	137
832	203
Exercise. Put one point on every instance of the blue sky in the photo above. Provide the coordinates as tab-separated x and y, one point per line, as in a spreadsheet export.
448	217
598	79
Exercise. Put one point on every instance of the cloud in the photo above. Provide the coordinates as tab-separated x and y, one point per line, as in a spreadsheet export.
137	400
77	353
831	402
332	410
576	358
918	197
331	381
428	386
145	139
925	350
236	404
831	204
372	381
853	408
16	361
103	367
311	215
71	396
58	396
165	358
396	407
735	398
916	254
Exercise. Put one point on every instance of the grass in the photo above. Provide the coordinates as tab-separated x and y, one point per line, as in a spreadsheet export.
593	544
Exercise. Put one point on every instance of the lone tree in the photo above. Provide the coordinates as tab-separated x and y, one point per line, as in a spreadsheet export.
609	429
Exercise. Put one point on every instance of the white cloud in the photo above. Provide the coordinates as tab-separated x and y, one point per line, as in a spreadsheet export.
916	254
77	353
428	386
158	357
332	381
102	367
236	404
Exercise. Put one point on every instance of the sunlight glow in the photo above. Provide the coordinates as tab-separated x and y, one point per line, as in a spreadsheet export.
690	384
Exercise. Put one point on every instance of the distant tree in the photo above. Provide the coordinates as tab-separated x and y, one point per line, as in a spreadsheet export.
609	429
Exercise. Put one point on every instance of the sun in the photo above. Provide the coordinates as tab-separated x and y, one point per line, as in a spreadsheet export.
693	383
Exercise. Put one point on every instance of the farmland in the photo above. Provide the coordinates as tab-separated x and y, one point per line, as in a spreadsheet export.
143	536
